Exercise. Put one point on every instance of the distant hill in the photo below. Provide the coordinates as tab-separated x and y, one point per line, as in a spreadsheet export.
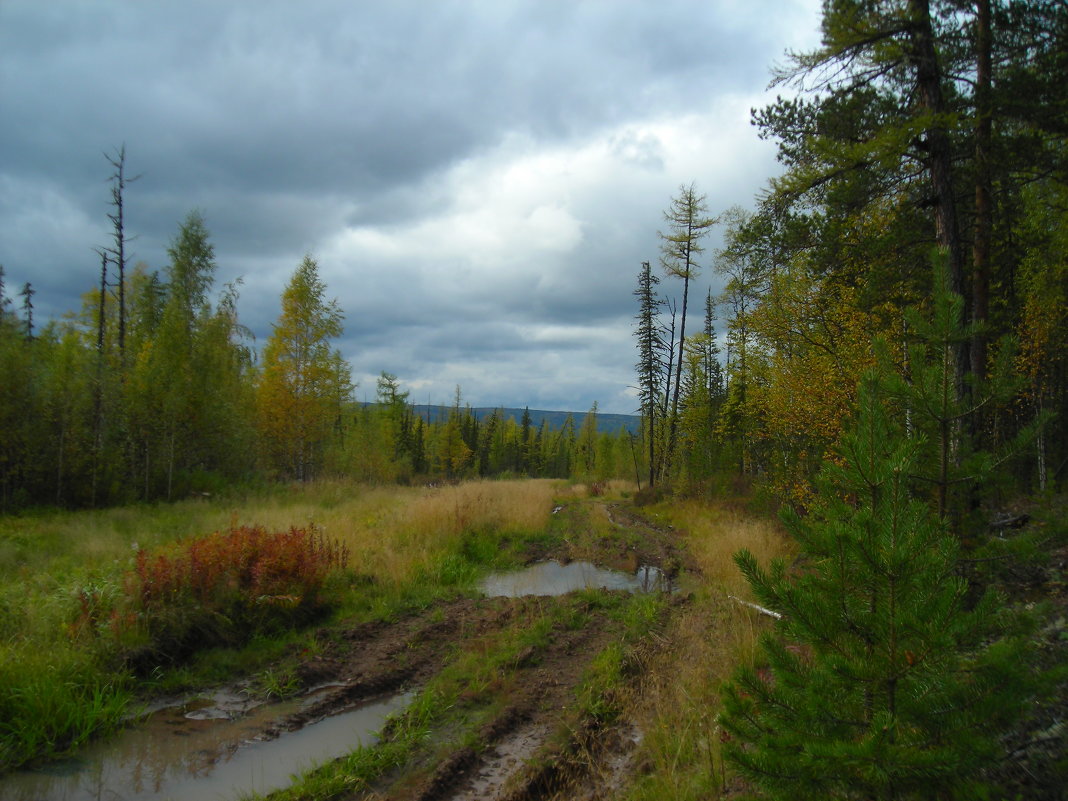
606	423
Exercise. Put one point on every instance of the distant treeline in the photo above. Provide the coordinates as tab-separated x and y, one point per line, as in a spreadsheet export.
606	423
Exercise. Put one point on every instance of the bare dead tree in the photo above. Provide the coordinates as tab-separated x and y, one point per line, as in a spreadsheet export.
27	292
117	251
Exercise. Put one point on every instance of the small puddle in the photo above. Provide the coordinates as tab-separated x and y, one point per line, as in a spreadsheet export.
179	754
553	578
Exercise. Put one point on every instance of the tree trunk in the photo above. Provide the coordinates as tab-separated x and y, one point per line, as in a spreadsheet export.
983	210
939	158
1040	451
59	464
170	467
678	366
665	455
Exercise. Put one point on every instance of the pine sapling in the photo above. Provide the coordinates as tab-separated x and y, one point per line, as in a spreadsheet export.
882	681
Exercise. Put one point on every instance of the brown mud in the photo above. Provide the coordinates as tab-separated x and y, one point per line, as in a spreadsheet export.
533	741
527	695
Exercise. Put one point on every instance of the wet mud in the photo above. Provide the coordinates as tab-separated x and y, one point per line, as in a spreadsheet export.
535	746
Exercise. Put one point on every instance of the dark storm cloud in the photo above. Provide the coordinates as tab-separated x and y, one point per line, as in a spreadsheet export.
479	180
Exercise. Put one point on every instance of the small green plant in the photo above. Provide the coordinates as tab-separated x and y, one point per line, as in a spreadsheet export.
882	680
598	694
279	684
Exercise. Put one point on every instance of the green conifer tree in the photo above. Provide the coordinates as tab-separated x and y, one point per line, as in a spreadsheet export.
882	682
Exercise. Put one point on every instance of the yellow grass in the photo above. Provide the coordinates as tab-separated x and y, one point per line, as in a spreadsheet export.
612	489
713	534
678	701
390	531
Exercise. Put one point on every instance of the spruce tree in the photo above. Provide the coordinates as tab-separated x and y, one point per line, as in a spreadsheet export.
650	366
882	682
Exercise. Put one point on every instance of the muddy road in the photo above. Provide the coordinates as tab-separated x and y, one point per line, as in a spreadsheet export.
529	717
521	691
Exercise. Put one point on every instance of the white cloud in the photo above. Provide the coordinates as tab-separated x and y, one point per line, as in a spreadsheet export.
479	182
531	252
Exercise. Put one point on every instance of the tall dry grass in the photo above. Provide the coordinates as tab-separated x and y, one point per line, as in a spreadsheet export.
714	533
610	489
391	532
677	703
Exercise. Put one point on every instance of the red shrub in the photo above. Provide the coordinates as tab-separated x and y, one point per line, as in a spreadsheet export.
224	586
245	564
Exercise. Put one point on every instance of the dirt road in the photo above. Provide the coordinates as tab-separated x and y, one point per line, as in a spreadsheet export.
534	683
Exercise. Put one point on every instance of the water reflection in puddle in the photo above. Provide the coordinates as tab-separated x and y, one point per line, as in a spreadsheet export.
174	757
553	578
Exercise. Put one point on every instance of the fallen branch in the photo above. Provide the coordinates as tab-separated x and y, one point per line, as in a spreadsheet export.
761	609
1011	521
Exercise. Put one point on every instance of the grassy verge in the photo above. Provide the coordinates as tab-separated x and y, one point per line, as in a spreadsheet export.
678	700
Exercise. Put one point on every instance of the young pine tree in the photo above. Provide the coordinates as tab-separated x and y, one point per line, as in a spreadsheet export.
882	683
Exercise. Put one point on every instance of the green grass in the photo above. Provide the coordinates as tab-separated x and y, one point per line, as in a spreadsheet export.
64	676
53	702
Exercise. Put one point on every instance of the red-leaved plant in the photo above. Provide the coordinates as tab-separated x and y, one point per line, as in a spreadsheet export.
226	586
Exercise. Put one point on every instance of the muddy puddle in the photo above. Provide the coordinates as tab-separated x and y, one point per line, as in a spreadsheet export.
212	750
554	578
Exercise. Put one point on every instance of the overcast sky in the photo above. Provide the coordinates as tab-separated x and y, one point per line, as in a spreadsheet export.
479	181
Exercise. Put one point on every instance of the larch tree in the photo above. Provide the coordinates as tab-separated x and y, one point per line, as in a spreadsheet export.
747	277
174	393
680	248
66	411
397	416
297	396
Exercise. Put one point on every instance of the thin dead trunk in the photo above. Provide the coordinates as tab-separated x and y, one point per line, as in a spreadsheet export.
98	388
678	367
170	466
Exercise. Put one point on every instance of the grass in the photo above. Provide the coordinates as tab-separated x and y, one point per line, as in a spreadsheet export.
678	700
475	686
408	547
52	702
66	573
